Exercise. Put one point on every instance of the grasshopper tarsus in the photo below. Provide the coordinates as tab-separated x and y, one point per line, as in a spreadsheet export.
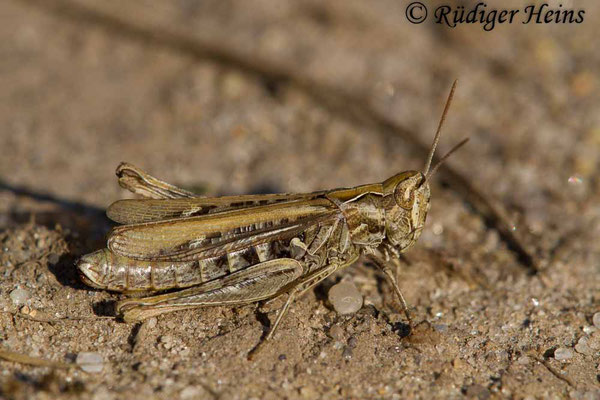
280	314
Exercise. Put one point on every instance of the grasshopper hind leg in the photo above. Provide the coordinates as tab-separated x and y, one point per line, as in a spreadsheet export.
297	291
258	282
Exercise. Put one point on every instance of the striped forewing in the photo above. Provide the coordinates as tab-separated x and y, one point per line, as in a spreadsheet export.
137	211
210	235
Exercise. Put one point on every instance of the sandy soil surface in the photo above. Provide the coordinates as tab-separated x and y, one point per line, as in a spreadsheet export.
193	92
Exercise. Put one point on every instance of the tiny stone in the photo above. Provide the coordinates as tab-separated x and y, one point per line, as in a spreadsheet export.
345	298
167	341
282	357
308	393
347	353
152	323
90	362
19	296
352	342
53	258
582	347
336	332
192	392
370	310
41	279
594	341
523	360
478	392
185	352
563	354
596	320
588	330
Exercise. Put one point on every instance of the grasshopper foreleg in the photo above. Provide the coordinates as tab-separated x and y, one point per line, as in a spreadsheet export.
383	263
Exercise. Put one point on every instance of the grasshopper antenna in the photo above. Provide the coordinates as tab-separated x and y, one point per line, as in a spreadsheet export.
428	172
439	163
438	133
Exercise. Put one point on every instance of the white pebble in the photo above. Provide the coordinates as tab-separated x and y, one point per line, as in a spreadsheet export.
588	330
582	347
345	298
19	296
563	354
192	392
524	360
596	320
152	323
90	362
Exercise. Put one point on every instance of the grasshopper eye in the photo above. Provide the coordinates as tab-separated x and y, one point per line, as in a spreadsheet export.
404	194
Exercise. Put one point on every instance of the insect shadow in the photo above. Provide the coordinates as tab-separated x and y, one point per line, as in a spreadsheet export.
66	274
105	308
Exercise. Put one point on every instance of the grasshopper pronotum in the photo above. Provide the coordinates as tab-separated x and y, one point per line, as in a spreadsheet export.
237	250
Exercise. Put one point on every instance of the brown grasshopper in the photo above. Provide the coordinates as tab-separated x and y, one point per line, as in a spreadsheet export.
236	250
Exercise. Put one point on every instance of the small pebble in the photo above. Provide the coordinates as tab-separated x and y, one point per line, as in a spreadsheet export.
478	392
152	323
594	341
282	357
523	360
345	298
90	362
588	330
192	392
167	341
563	354
308	393
596	320
53	258
352	342
582	347
184	352
19	296
347	353
336	332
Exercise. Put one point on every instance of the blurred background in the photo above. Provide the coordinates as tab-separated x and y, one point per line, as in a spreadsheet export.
232	97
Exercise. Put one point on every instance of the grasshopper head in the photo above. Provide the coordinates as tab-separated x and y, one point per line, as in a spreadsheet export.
406	195
406	202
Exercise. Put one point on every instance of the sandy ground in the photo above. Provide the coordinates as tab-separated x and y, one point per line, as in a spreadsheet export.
81	92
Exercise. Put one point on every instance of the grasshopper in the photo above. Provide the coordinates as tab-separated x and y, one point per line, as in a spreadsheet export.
235	250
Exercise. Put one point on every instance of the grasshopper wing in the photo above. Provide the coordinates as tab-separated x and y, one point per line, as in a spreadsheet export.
217	234
137	211
140	182
165	201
